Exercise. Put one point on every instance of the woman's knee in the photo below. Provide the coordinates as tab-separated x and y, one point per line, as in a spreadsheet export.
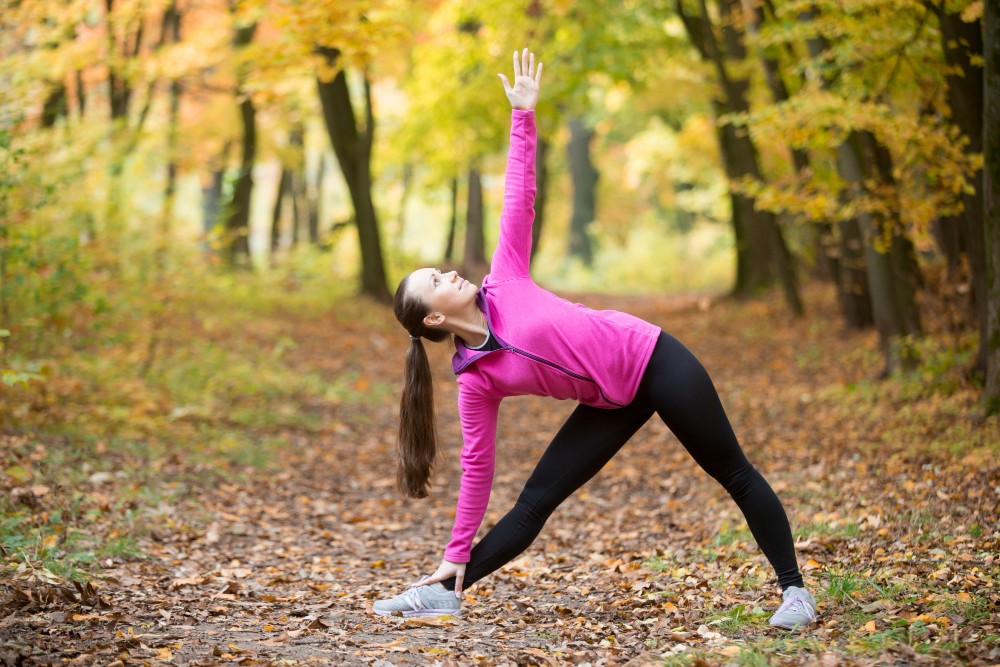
740	480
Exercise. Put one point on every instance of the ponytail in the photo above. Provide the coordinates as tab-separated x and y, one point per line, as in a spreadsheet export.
417	441
416	444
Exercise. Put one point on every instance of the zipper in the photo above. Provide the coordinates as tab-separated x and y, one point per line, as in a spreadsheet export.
504	345
555	366
550	364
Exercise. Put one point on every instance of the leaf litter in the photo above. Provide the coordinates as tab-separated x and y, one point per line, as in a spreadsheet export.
649	563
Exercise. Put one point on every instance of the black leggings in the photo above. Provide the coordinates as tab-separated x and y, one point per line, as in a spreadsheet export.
677	388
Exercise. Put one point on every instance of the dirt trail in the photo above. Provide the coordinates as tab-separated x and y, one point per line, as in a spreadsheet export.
281	567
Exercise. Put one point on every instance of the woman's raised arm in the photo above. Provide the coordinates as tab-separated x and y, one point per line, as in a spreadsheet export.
512	257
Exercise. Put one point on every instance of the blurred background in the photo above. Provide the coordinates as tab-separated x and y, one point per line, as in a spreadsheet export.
157	148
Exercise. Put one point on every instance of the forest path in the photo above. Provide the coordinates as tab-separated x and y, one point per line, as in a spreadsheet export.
650	561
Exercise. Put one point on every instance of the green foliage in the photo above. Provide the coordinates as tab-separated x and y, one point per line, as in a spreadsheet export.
882	71
736	618
842	586
657	564
731	535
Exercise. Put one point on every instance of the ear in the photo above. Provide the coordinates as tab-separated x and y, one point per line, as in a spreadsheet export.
434	319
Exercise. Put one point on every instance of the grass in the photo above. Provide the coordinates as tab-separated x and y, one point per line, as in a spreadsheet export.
736	618
100	448
732	535
841	587
827	529
657	564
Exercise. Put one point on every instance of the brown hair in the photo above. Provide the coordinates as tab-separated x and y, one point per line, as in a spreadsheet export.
416	444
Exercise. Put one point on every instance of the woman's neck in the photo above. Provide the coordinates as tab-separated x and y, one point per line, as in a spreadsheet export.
470	326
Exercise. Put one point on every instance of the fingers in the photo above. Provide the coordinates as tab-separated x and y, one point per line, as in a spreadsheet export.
434	578
459	580
506	83
538	75
524	65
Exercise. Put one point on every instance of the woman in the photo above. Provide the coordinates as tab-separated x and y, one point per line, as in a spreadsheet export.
514	338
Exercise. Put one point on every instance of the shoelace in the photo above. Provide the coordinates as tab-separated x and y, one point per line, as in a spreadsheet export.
412	598
800	605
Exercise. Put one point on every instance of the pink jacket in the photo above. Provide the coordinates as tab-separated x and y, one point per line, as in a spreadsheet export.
550	347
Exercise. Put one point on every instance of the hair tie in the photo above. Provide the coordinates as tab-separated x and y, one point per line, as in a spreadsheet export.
412	337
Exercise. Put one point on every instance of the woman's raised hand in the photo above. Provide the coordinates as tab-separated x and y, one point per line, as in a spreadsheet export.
524	93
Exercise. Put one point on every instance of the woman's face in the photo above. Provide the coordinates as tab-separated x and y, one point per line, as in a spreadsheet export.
445	293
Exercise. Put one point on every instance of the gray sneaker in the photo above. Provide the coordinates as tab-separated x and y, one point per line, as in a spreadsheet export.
797	611
430	600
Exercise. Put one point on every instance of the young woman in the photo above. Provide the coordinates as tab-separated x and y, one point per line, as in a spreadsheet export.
512	338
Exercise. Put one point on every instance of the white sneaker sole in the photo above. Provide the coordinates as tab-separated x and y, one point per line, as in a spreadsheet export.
791	626
420	612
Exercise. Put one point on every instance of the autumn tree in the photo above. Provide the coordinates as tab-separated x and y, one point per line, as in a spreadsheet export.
238	220
461	119
991	172
960	27
873	104
332	40
763	257
457	119
352	141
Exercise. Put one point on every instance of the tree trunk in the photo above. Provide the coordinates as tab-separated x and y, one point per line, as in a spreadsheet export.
991	190
949	234
119	88
81	93
403	197
702	36
892	295
279	212
449	247
962	44
905	253
353	146
211	196
314	199
211	191
852	285
474	264
299	214
55	105
171	25
584	176
762	255
800	158
541	196
238	220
